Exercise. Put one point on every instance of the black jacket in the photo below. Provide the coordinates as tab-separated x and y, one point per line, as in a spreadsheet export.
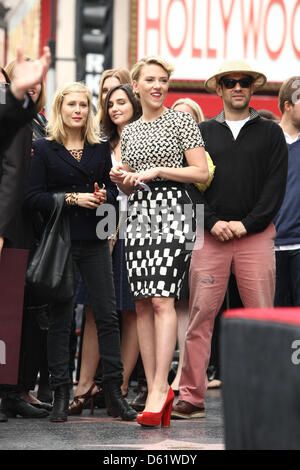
53	169
13	116
15	144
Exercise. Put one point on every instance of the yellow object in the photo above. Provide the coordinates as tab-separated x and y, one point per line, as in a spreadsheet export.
211	168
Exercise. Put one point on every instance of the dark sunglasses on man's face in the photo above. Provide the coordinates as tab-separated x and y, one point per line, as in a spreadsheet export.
230	83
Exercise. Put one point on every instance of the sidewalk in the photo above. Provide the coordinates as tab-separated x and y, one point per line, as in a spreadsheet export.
103	433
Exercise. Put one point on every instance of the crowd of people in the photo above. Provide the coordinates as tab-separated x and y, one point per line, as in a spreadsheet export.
160	278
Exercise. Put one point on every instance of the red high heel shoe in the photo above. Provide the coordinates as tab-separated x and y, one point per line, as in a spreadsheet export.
147	418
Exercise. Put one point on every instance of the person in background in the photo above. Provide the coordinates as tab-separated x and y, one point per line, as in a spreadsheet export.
266	114
120	108
287	221
34	329
154	149
109	79
73	161
246	193
16	112
187	105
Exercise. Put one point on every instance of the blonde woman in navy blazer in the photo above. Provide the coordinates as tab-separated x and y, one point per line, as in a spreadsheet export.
73	161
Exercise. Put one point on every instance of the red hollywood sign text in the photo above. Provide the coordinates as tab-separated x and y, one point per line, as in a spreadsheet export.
254	23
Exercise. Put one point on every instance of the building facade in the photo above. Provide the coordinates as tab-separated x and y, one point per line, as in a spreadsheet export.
195	35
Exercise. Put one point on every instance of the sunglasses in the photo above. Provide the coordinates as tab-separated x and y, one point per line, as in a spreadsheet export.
231	82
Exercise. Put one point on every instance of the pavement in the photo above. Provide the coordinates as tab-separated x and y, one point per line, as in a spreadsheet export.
114	438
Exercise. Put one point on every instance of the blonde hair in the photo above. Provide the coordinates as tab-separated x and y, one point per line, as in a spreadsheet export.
195	108
121	74
156	60
10	70
56	128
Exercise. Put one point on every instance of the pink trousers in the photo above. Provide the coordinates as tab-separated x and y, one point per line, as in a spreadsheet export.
252	260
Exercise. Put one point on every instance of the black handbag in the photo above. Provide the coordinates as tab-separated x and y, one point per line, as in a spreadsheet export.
50	276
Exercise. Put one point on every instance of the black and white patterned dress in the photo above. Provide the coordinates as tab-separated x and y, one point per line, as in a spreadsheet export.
159	239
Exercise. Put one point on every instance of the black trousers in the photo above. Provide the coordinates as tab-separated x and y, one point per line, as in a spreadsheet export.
93	260
33	352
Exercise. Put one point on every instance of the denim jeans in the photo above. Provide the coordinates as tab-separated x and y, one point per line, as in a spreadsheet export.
287	291
93	260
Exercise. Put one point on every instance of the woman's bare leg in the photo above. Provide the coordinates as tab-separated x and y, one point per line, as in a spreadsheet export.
90	354
146	338
165	333
182	309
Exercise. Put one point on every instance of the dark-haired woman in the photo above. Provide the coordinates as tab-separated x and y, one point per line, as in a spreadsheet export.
120	108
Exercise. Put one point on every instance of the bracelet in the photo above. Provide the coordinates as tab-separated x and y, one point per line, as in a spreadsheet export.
71	199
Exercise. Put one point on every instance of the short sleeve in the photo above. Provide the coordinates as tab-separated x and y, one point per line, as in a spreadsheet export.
189	132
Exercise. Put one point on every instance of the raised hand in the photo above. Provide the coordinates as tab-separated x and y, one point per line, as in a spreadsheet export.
29	73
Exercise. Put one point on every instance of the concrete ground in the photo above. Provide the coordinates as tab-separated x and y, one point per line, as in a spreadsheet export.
103	433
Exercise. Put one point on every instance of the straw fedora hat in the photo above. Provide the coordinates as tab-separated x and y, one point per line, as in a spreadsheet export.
235	66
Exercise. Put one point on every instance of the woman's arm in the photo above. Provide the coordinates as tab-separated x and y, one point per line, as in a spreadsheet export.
196	171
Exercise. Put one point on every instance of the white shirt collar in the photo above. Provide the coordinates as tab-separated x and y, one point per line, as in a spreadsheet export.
289	139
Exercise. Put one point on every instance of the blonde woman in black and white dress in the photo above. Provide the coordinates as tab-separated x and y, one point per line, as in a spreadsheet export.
164	149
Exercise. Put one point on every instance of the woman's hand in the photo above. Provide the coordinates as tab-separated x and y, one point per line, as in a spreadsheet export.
1	245
117	176
134	179
100	194
88	200
27	74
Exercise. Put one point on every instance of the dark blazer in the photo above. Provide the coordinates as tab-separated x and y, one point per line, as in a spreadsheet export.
53	169
14	169
15	142
13	116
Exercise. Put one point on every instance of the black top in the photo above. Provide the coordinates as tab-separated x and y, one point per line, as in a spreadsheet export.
13	116
53	169
15	142
250	176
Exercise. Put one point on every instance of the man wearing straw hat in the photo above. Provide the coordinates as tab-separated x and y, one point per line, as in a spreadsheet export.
250	156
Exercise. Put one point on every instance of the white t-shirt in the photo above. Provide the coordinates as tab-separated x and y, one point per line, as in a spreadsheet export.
236	126
122	198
